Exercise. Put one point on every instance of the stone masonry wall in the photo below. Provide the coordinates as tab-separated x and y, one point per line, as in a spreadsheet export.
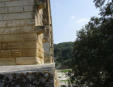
26	42
17	40
27	76
22	31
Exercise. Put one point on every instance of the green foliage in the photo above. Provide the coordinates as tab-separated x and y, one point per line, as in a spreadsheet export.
105	6
63	54
93	50
65	70
93	54
99	3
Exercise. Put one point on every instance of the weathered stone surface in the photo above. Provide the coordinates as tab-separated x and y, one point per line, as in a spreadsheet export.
21	43
15	9
29	8
28	60
25	68
27	76
20	40
16	23
16	16
7	61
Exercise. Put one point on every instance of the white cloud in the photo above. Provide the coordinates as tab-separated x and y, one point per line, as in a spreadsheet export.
82	21
72	17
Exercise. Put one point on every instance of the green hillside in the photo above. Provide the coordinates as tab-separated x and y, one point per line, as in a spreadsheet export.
63	54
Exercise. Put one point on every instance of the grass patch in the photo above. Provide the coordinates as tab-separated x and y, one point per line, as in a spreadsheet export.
65	70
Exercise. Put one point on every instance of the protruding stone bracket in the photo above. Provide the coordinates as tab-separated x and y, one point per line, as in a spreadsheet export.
41	29
41	4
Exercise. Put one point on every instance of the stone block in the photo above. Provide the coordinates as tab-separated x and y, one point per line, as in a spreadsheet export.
29	45
46	47
19	3
39	60
3	0
17	45
2	4
28	8
10	53
14	45
25	60
17	23
30	37
5	53
40	54
7	61
16	16
9	38
29	52
16	30
47	60
39	29
3	10
15	9
17	37
16	53
39	40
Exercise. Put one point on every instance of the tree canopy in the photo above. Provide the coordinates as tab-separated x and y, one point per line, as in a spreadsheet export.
105	6
63	54
92	63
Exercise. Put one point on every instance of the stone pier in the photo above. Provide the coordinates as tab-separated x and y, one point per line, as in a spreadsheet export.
26	44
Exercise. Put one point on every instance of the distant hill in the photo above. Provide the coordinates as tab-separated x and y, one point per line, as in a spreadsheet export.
63	54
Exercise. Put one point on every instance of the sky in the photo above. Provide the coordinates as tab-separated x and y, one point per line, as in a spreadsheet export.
69	16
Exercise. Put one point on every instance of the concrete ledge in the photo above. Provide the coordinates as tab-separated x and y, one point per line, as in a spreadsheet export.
27	76
26	68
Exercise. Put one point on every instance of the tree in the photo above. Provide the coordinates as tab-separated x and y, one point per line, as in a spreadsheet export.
92	63
63	54
101	3
93	55
105	6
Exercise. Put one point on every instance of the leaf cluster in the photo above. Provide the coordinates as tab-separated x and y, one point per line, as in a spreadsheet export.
105	6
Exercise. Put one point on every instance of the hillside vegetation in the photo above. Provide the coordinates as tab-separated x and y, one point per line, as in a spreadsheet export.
63	54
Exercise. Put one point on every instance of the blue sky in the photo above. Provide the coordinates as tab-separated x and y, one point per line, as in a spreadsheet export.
69	16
